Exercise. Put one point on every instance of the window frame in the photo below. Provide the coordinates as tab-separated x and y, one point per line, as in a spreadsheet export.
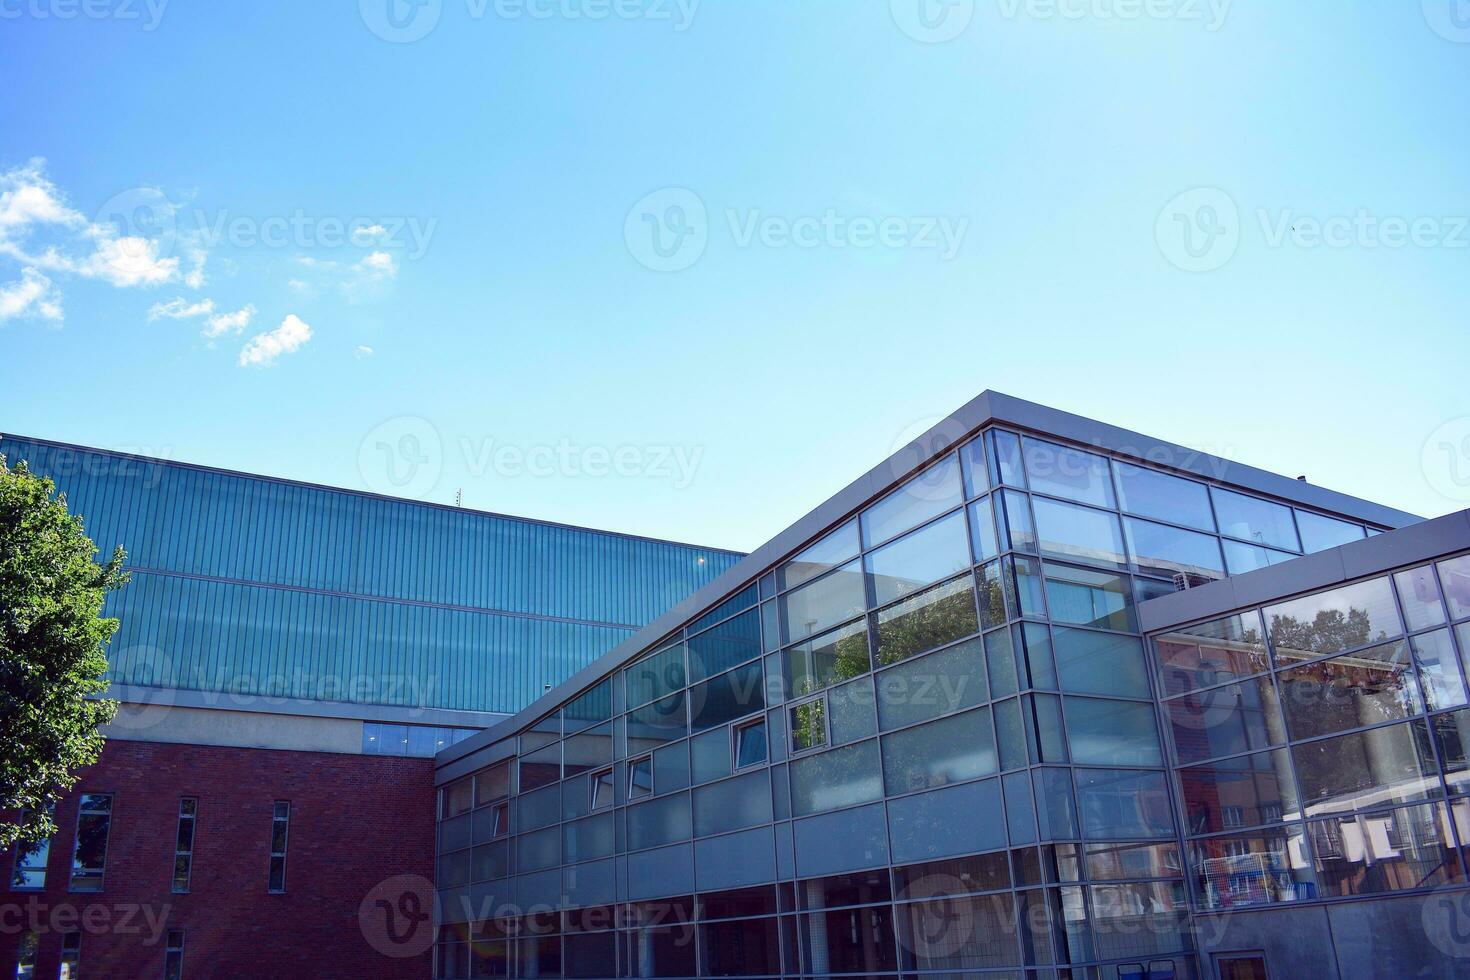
594	779
71	880
173	952
635	792
71	953
737	728
17	868
271	887
193	818
826	741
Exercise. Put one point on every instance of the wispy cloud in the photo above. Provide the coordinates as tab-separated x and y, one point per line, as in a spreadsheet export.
362	352
230	323
264	349
32	296
180	308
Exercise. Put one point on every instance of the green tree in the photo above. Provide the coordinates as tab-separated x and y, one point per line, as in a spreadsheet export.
52	650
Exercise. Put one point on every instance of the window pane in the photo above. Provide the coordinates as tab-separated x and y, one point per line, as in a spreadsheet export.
982	530
927	620
808	725
825	555
910	563
590	708
1123	804
965	933
824	603
1070	473
1140	918
589	839
742	948
932	685
1439	673
1320	533
1385	852
836	656
836	778
1088	598
602	789
1454	575
851	712
1115	862
657	822
1241	558
727	697
1005	458
1352	616
1349	772
972	461
655	724
1210	653
732	642
653	677
1104	732
1078	533
1244	792
1013	521
750	745
927	495
850	940
1161	550
1255	520
1419	596
492	784
733	804
1225	720
588	751
1100	663
1168	498
640	777
950	750
1261	868
1363	688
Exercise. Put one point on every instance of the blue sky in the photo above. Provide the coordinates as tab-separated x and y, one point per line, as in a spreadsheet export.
289	239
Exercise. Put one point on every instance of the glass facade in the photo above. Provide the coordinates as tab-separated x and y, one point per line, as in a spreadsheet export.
1319	743
962	764
257	587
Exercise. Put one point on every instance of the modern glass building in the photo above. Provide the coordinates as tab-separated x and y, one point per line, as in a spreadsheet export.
924	731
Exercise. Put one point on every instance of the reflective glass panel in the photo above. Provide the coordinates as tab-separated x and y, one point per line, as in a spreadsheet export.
832	657
927	620
932	685
1225	720
1075	533
836	778
732	642
927	495
1167	498
1350	772
824	603
1243	792
1316	625
1100	663
1260	868
1088	598
1419	597
982	531
951	750
924	557
656	675
1385	852
657	723
1255	520
1071	473
1161	550
1123	804
1454	575
727	697
1106	732
1241	558
1211	653
1439	672
823	556
1320	533
972	461
1364	688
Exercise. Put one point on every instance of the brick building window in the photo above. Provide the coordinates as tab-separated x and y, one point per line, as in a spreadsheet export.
25	960
71	956
173	956
29	871
89	860
184	845
280	828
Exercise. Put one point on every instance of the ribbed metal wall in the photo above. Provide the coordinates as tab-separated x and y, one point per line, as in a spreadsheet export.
261	587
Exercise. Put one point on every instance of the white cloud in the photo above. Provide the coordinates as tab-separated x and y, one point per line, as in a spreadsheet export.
31	296
362	351
129	260
28	198
236	322
377	265
368	234
263	349
180	309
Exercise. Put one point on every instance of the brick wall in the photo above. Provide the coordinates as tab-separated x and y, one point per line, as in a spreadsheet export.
356	822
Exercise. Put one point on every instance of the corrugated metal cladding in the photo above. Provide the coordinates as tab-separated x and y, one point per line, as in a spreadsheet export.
250	585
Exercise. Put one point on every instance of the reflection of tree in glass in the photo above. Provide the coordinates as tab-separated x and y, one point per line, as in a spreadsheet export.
818	665
926	627
808	724
1328	632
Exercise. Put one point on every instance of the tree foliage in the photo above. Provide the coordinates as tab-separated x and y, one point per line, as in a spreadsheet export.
52	650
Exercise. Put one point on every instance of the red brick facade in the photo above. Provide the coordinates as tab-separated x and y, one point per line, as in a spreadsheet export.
356	822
